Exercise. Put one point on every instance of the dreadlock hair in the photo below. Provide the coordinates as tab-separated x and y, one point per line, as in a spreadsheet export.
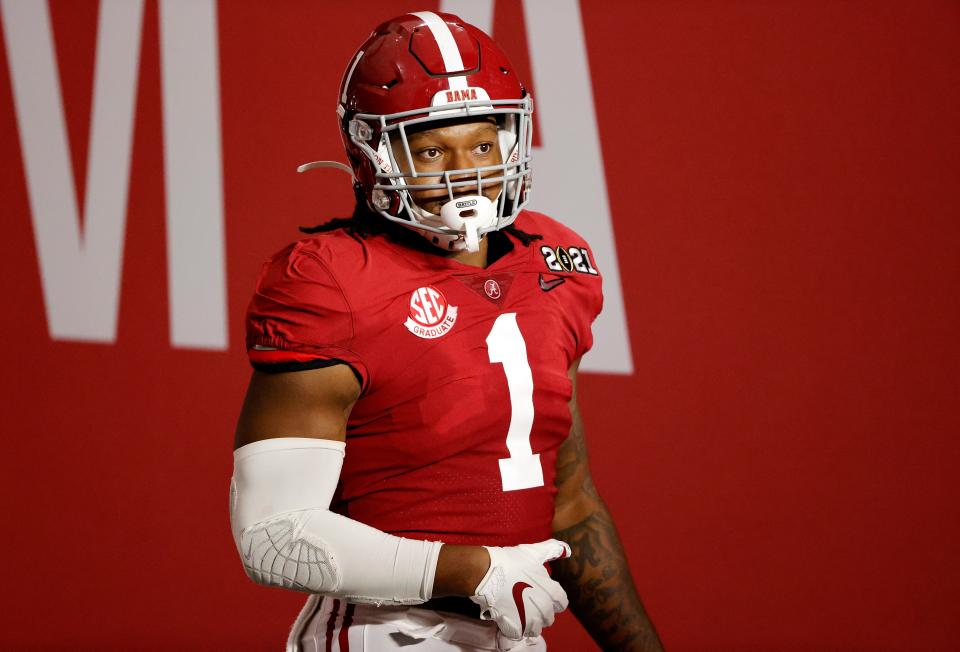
364	223
524	237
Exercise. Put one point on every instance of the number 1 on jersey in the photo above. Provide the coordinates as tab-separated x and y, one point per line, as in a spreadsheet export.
505	345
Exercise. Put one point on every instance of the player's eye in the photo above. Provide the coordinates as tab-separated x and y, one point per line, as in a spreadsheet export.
429	153
484	148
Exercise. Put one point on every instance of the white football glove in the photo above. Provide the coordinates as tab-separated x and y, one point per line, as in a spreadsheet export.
517	592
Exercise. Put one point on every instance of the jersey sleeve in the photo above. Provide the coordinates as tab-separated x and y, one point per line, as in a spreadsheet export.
567	255
300	318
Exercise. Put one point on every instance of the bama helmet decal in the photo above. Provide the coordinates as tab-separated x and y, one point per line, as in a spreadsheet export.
430	314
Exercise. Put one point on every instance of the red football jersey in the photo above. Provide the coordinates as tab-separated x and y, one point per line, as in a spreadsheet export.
463	371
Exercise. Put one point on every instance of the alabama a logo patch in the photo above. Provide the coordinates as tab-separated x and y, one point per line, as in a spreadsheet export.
430	314
492	288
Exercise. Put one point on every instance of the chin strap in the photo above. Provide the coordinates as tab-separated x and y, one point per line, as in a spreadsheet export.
471	236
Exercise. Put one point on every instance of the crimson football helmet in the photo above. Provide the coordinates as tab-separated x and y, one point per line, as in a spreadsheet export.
423	68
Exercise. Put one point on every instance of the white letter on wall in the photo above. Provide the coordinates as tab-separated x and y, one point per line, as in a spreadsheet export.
194	173
80	272
569	182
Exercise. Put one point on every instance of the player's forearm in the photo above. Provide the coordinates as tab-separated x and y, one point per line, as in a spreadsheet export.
601	590
459	570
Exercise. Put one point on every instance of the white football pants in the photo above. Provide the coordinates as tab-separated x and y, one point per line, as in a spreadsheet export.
330	625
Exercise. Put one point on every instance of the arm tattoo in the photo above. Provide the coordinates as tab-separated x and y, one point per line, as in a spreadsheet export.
597	578
601	591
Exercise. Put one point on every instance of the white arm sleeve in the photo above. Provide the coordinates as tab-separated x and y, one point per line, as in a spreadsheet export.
287	536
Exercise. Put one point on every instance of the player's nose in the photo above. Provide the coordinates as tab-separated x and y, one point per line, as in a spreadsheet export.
468	161
462	158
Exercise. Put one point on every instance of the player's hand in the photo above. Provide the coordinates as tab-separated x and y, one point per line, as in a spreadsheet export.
517	592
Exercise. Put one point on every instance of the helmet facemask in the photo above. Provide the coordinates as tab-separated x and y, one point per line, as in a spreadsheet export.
464	218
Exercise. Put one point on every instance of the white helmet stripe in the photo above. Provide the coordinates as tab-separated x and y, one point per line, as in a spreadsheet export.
346	83
448	47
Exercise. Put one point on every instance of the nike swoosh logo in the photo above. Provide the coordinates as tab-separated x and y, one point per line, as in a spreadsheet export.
518	599
546	286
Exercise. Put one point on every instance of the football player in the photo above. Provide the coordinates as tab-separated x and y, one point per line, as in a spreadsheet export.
409	450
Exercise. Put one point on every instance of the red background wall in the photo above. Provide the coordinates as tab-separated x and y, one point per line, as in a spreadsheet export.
784	182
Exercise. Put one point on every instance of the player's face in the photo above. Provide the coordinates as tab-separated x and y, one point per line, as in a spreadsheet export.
452	147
